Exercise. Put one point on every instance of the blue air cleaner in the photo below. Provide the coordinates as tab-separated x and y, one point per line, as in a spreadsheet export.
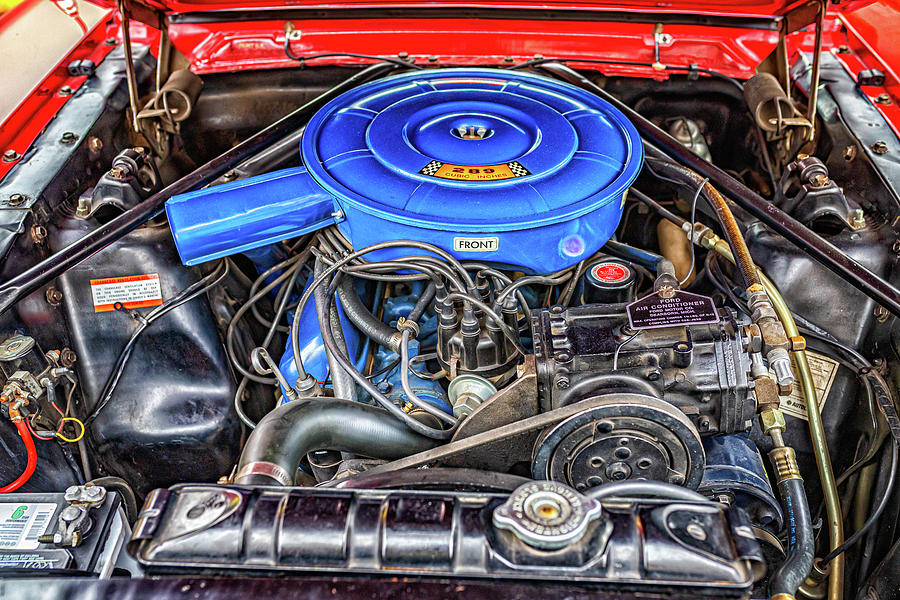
491	165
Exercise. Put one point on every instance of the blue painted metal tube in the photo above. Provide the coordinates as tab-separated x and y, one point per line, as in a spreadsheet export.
246	214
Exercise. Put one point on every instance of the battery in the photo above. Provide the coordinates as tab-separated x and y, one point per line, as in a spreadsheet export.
28	521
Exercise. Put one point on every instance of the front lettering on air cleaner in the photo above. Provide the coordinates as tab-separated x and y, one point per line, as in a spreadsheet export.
444	170
473	244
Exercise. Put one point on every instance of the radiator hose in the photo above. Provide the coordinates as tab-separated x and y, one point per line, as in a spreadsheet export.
283	437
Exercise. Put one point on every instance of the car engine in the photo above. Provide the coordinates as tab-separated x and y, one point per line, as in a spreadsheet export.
522	322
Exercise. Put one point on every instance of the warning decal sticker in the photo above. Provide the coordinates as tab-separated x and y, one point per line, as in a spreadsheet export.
444	170
823	370
135	291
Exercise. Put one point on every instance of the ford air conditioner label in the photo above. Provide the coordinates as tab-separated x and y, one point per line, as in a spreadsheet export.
476	244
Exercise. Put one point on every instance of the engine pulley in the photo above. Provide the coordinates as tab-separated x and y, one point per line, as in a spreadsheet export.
630	436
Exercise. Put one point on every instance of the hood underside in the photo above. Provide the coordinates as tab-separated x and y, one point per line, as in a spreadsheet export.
754	8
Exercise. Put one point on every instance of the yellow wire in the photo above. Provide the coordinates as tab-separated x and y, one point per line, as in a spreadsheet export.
72	440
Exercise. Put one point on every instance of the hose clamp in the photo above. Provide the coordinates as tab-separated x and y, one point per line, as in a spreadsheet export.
270	470
412	326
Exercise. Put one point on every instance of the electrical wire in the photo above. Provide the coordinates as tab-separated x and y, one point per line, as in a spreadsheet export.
31	463
186	295
504	328
291	268
536	62
331	269
876	514
304	59
693	225
368	386
407	388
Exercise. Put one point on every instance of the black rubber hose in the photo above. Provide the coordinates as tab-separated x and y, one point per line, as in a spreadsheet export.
341	382
419	309
283	437
798	520
119	485
382	333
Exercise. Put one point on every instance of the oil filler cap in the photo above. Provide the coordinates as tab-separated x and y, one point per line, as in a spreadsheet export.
547	515
609	282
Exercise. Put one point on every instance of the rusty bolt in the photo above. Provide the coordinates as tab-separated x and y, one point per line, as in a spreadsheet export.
38	233
67	357
68	138
54	296
508	59
117	173
843	50
880	147
881	314
95	144
11	155
17	199
883	99
849	152
819	180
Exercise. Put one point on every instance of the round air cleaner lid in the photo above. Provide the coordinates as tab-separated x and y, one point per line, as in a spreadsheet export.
472	150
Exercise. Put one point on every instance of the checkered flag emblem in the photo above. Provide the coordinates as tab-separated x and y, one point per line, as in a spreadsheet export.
431	168
517	169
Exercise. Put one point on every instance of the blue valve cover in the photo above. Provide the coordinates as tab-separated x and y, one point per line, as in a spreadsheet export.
491	165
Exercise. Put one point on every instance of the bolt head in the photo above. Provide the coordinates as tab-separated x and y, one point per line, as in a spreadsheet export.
880	147
17	199
819	180
95	144
695	531
54	296
883	99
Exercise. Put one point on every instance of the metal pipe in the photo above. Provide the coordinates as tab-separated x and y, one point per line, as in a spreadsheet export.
792	230
53	266
816	70
130	78
816	429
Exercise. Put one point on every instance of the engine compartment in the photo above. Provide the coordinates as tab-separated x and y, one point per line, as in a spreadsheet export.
455	325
